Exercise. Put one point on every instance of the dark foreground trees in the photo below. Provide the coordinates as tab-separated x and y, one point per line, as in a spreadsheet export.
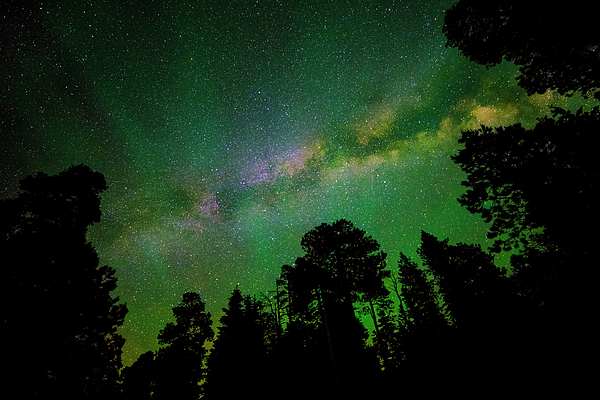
555	47
176	369
240	353
312	345
461	327
184	351
342	267
531	182
538	187
59	321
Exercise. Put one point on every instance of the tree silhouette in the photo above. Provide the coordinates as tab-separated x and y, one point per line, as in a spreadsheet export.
177	367
341	266
277	302
477	296
538	189
467	277
421	310
347	263
141	380
239	353
423	331
555	47
302	355
303	314
60	335
181	360
519	178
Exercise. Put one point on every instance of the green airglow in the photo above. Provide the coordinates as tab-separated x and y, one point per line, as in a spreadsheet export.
228	130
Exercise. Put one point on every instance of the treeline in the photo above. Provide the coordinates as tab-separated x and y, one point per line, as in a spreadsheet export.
455	326
452	324
449	324
456	320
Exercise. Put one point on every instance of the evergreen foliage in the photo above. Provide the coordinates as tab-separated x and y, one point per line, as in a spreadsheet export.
239	353
466	275
538	187
178	366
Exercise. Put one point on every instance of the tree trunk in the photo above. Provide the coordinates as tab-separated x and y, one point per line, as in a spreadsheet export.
330	342
374	316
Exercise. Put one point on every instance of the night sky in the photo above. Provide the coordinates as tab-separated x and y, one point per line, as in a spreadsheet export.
227	131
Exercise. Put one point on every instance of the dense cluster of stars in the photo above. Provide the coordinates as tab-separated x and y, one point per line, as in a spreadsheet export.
227	130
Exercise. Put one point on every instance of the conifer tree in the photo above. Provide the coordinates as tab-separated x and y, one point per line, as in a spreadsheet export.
182	356
421	308
141	380
239	353
467	277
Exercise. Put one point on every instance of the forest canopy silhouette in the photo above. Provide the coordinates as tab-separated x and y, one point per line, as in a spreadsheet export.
340	322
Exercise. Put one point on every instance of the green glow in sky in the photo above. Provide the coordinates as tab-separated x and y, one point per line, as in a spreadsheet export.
228	130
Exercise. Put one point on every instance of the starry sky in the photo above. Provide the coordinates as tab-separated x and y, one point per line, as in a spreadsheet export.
228	129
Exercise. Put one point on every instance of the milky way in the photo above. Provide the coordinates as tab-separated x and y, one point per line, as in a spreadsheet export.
227	131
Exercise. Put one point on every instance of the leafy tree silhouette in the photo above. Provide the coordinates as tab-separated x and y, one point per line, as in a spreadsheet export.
141	380
302	355
349	264
420	309
467	277
518	179
538	188
417	340
555	47
61	334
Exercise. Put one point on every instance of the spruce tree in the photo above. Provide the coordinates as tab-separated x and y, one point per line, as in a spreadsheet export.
239	354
